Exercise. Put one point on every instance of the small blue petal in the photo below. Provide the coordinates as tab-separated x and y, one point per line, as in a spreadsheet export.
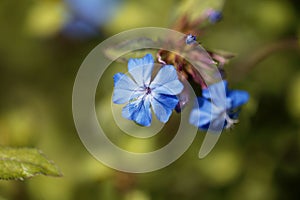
237	98
141	69
126	113
201	116
214	87
166	81
217	94
207	115
163	106
125	89
117	77
218	124
138	111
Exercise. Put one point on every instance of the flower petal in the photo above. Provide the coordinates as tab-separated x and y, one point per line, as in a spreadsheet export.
206	114
163	106
237	98
215	87
124	88
166	81
217	94
138	111
141	69
201	116
218	124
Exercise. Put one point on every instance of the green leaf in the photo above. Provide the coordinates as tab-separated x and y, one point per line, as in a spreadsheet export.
21	163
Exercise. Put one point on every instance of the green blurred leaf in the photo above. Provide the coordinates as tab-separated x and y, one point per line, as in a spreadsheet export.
21	163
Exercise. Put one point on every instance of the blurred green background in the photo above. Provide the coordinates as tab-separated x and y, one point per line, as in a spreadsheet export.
258	159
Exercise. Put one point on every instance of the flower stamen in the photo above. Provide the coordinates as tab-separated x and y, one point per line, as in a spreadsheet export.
148	90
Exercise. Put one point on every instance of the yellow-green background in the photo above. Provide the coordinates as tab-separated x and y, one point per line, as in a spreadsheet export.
258	159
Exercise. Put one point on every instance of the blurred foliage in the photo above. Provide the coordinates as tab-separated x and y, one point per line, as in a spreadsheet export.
258	159
21	163
45	18
193	8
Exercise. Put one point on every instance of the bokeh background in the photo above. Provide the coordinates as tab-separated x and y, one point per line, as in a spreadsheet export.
42	45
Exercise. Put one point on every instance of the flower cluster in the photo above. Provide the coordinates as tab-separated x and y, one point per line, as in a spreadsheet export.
217	107
141	94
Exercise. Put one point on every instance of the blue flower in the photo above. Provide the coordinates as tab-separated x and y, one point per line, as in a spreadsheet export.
76	28
190	39
214	16
218	111
85	17
141	93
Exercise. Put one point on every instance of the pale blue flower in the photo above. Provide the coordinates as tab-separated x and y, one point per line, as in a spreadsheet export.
141	93
223	112
85	17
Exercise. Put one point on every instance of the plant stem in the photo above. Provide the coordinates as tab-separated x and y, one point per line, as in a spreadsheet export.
244	66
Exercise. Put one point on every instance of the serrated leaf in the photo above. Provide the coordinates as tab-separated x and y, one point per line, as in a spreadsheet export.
21	163
114	51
